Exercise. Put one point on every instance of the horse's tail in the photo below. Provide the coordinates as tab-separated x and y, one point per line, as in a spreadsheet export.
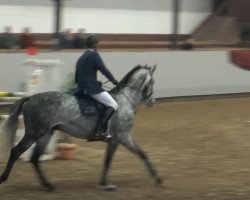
9	128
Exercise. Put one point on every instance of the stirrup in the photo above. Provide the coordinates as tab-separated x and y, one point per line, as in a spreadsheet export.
99	137
103	139
108	138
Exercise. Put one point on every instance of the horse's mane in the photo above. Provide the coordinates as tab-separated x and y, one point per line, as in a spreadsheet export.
125	79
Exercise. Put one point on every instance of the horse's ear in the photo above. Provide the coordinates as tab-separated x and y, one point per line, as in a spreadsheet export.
152	69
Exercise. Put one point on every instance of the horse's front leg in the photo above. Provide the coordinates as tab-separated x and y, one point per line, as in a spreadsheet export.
130	144
111	148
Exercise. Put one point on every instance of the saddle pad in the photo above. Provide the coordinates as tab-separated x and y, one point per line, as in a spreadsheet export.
87	105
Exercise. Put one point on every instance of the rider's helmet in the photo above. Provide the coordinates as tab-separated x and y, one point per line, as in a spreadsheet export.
91	41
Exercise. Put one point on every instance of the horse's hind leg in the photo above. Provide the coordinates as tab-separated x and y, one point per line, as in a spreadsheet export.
111	148
38	151
16	151
134	148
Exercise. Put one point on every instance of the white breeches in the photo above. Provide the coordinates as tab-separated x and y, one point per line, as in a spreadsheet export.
106	99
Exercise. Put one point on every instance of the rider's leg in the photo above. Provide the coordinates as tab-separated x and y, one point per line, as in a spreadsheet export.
106	99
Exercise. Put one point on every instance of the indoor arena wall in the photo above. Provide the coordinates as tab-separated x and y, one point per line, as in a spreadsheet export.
179	73
105	16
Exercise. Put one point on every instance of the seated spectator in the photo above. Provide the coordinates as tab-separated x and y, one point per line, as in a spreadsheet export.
7	39
66	39
79	39
26	40
188	45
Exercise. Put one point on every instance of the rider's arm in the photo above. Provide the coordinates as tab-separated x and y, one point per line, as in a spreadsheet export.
99	63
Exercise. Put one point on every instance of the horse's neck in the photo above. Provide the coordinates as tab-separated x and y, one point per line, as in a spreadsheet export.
131	93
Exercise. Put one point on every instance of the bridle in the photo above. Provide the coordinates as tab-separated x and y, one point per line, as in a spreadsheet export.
147	97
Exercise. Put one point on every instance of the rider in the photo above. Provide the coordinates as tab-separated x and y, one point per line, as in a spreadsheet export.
86	78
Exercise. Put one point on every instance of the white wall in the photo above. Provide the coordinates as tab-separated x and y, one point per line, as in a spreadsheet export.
105	16
179	73
39	18
118	21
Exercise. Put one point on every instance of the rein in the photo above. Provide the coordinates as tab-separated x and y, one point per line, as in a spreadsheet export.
133	88
123	92
127	98
147	97
106	82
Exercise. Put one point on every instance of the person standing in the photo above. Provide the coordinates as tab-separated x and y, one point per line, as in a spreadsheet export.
26	40
79	39
7	39
66	39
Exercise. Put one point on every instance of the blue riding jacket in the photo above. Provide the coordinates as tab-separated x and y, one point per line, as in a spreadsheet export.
86	73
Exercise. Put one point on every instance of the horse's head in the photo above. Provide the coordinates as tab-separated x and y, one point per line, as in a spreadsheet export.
138	81
148	87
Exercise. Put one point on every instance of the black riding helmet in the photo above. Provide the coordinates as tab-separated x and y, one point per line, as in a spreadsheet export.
91	41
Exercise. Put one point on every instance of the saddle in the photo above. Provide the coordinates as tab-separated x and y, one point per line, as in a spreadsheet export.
88	105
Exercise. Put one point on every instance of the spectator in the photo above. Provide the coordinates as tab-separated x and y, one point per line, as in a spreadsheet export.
79	39
66	39
7	39
188	44
26	40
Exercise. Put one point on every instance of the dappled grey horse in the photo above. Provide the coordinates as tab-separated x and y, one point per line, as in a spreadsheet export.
45	112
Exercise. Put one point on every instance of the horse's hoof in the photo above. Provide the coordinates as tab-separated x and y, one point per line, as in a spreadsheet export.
2	179
109	187
102	182
49	188
159	181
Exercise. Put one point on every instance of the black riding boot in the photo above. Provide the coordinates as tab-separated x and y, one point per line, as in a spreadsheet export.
101	130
